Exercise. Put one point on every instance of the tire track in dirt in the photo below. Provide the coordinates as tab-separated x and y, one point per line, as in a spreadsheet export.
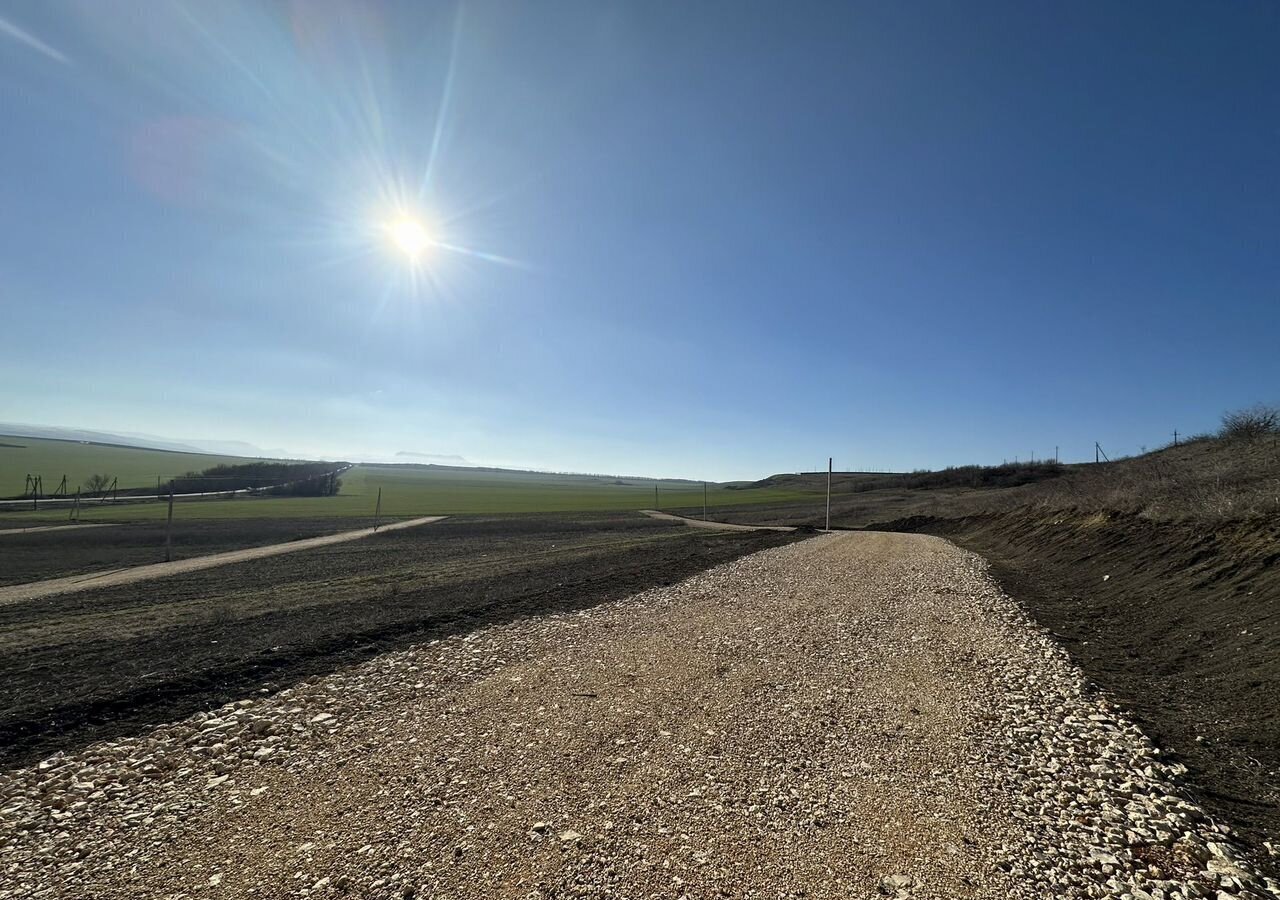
20	593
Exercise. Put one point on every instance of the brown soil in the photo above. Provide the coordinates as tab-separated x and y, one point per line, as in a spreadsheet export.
101	663
54	554
1181	622
18	593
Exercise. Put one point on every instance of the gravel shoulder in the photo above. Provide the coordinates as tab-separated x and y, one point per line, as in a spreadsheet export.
854	715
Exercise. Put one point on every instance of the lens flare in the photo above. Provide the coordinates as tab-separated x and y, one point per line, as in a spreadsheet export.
410	237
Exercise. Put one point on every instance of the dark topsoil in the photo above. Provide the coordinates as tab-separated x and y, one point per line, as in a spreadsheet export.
1185	633
108	662
54	554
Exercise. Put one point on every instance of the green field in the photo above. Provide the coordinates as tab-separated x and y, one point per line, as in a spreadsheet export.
413	491
50	459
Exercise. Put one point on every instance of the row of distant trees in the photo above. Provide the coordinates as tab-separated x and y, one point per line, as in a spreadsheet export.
283	479
288	479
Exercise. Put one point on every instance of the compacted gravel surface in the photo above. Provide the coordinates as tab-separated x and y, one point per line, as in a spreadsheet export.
856	715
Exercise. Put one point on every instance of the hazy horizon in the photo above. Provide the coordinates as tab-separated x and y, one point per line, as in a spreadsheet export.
714	241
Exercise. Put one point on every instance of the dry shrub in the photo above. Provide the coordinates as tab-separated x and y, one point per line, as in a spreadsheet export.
1257	421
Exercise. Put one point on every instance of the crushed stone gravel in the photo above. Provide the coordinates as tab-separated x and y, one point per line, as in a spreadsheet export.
855	715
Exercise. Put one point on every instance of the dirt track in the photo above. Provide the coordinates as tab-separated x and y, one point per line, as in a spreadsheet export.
34	529
851	716
18	593
714	526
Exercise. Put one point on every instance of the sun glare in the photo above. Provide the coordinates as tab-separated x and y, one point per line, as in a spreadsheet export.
410	237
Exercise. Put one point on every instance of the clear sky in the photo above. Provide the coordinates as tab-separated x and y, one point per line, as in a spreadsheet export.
695	239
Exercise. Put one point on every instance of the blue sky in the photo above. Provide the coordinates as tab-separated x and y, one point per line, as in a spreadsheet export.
696	239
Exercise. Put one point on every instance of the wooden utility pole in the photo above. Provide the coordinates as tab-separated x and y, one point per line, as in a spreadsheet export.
1175	437
168	529
655	496
828	493
377	510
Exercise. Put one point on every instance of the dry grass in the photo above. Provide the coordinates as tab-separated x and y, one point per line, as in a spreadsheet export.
1209	479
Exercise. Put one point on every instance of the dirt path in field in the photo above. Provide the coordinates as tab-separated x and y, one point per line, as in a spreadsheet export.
36	590
717	526
37	528
852	716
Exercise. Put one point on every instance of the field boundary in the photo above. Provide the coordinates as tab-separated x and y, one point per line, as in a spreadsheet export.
37	590
32	529
707	523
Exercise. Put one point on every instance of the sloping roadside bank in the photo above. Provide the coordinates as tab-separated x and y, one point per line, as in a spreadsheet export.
1179	621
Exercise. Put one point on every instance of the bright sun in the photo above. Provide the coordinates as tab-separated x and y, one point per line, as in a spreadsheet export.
410	237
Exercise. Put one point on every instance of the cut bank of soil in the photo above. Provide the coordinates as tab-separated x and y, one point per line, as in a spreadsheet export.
1180	622
106	662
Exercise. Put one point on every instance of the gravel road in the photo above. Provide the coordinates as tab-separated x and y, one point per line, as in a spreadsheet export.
855	715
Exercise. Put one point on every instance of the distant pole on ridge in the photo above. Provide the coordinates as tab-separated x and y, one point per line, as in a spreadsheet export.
829	493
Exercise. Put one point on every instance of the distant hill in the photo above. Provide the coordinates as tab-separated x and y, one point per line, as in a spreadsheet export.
78	459
143	441
444	459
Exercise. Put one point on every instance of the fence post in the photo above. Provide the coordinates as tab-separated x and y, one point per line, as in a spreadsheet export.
168	529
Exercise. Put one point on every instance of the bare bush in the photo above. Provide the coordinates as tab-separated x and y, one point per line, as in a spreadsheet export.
96	483
1257	421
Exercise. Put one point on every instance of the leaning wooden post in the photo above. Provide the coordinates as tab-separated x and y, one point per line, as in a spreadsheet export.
377	510
168	529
